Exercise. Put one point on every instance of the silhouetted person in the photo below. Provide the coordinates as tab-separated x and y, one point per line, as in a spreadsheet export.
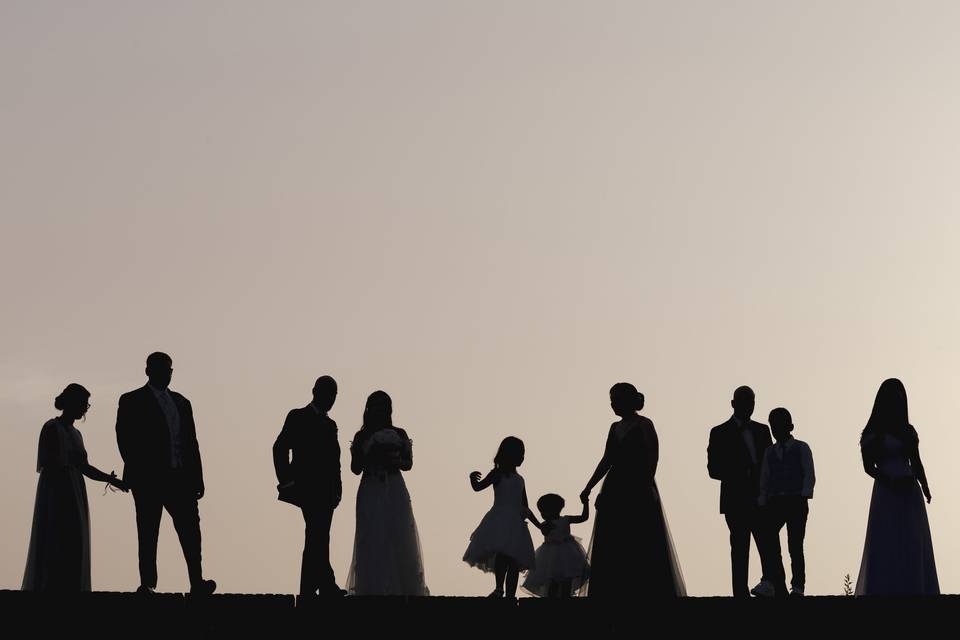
631	552
734	455
561	567
158	441
311	480
898	551
786	486
59	555
386	547
501	543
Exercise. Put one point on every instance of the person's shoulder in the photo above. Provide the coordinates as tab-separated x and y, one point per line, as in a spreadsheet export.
801	444
177	396
759	426
296	412
135	394
49	426
720	428
402	433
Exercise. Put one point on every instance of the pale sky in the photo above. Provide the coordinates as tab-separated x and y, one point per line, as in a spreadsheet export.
493	211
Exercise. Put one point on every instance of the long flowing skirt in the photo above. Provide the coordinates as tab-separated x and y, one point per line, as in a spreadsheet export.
58	558
631	550
387	558
898	551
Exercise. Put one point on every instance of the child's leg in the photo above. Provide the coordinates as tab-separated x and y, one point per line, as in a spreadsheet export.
513	577
775	517
500	567
796	530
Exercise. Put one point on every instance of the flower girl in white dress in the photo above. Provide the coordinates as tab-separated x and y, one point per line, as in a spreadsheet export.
501	542
562	567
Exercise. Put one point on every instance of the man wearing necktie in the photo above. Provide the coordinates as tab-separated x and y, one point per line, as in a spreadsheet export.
158	442
734	456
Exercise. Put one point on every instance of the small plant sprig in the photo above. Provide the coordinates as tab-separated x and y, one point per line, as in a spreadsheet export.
847	585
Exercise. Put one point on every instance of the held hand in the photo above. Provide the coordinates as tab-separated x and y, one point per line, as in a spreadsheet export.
585	496
117	482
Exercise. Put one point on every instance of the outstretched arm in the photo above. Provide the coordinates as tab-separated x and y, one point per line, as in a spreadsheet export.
528	514
479	484
96	475
602	467
584	515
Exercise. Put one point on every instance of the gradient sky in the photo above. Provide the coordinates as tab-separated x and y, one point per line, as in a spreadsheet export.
493	211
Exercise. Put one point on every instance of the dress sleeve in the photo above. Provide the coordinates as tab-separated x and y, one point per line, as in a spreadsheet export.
51	452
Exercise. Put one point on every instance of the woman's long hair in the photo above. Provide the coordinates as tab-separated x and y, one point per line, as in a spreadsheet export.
890	414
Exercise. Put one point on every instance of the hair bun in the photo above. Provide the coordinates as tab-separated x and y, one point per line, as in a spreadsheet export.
58	402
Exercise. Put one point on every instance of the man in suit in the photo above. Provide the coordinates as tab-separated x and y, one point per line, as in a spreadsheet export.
312	479
734	456
161	464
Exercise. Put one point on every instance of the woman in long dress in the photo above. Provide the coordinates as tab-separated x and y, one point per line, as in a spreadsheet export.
58	558
631	552
898	551
386	548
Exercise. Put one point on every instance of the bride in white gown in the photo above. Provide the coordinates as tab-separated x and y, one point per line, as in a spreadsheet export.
387	559
898	551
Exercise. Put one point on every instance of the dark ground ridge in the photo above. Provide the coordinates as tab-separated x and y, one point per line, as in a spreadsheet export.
106	614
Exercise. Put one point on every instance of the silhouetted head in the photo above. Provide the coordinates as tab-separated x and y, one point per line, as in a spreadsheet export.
378	413
324	393
510	454
550	505
159	369
781	423
73	401
743	402
625	400
890	414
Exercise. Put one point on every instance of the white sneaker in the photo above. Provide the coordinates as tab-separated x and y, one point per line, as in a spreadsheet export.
764	590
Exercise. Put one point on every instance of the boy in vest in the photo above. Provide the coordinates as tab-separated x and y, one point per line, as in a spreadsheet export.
786	485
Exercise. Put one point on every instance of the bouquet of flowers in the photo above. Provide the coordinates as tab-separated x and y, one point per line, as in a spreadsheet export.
385	447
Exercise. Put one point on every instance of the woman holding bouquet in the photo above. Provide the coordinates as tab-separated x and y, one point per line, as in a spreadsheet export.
386	547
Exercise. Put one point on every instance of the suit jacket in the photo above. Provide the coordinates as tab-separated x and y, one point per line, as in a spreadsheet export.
728	460
315	467
144	440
